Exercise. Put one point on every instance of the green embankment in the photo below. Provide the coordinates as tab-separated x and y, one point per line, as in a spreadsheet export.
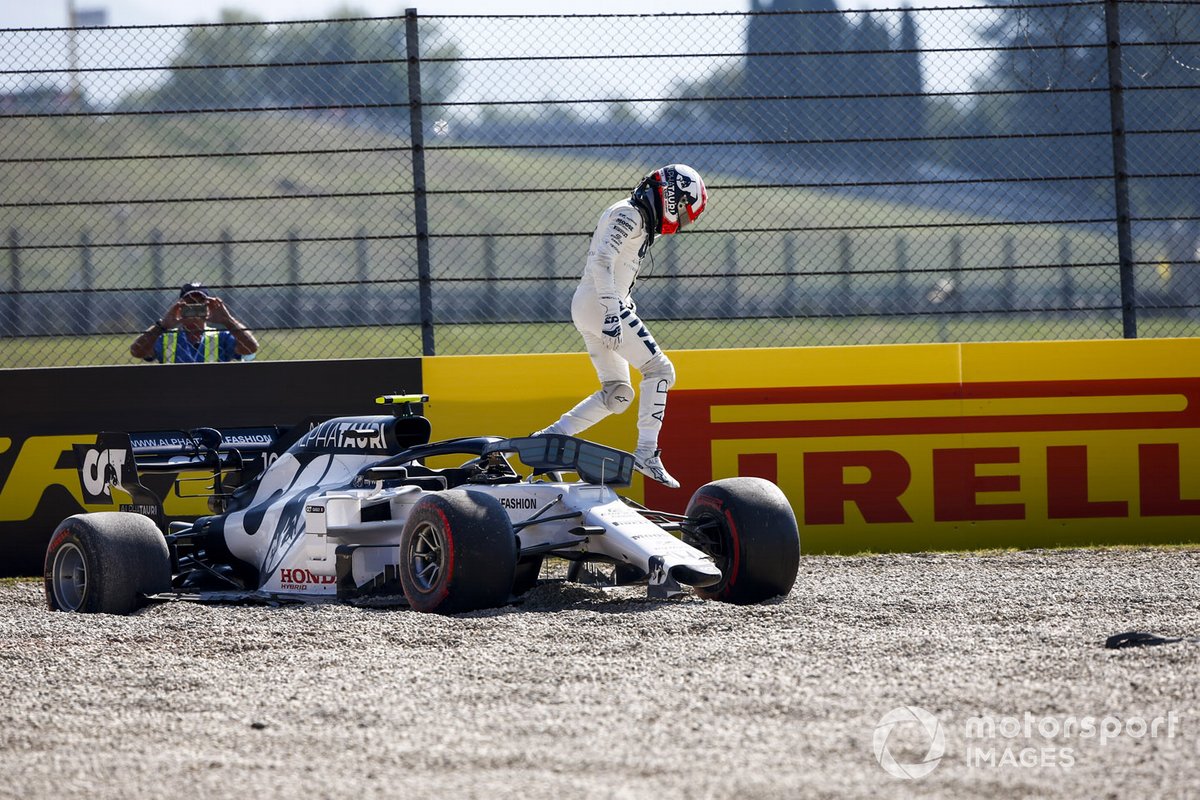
375	167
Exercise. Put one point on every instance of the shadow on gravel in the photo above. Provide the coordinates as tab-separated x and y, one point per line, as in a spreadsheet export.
556	595
549	596
552	595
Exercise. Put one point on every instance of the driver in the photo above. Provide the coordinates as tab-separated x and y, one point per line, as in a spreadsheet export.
665	202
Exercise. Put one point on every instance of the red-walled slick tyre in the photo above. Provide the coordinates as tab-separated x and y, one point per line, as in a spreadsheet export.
458	553
749	529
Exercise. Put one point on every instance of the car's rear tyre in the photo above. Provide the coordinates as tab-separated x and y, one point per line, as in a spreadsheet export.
458	553
105	563
749	529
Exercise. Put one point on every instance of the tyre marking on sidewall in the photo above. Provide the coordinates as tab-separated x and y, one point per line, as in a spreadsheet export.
58	538
51	592
736	557
449	552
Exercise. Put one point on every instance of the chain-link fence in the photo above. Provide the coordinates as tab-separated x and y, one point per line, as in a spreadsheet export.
408	185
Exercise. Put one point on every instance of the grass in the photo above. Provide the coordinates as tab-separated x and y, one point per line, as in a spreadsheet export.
399	341
819	241
283	180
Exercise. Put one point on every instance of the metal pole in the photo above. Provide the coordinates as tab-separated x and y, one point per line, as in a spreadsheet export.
157	276
12	325
73	55
844	302
671	292
87	275
293	272
226	258
548	272
956	265
1008	283
1116	105
904	290
1067	289
729	297
420	211
904	299
787	306
489	310
152	306
362	297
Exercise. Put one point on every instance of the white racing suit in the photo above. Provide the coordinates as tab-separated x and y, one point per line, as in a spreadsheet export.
614	258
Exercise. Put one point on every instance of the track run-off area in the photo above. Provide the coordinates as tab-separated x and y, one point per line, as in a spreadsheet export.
944	675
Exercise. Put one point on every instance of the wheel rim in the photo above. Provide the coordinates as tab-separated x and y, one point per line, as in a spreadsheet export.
69	577
707	538
427	557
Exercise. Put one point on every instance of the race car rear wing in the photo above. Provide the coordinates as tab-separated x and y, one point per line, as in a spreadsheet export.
121	460
150	445
110	464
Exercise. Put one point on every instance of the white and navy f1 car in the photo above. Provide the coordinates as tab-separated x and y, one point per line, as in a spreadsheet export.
347	508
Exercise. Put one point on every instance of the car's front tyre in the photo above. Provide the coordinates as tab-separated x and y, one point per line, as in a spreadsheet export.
458	553
749	529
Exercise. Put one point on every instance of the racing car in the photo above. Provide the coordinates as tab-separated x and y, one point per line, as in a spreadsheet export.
350	508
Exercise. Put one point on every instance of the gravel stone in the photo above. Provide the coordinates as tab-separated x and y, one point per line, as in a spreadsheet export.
606	694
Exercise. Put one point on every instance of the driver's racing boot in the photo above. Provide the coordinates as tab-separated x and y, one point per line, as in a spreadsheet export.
652	466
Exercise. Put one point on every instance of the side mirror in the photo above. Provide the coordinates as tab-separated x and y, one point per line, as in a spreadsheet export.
385	473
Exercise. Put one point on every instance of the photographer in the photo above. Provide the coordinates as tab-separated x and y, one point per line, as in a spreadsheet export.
196	342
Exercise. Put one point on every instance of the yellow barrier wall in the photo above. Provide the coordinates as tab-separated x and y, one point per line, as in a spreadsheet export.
905	447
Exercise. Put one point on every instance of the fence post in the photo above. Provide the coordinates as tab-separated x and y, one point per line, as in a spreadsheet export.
956	291
293	272
729	297
904	300
152	303
87	276
362	297
491	285
226	259
547	290
787	298
420	210
670	304
1116	106
1067	287
12	319
845	267
1008	281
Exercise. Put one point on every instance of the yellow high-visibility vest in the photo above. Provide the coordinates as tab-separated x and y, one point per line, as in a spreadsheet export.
212	346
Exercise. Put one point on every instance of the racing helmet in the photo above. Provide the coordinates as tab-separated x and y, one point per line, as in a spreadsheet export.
675	196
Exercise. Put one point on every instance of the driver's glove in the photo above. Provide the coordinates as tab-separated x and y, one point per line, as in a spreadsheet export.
610	330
